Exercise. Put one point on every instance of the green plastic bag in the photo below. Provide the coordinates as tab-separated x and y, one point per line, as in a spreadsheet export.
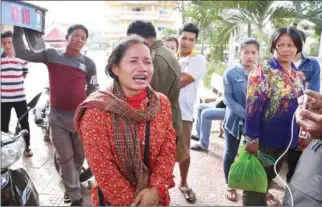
267	160
247	173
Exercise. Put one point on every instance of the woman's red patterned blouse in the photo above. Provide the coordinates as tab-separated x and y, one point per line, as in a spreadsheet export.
99	146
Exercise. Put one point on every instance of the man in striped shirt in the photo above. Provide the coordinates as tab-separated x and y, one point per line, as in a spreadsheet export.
13	73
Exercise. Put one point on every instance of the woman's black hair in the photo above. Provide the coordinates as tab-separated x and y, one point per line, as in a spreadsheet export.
290	31
119	51
171	39
303	35
249	41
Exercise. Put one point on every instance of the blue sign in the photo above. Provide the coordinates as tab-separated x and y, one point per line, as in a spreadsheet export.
18	14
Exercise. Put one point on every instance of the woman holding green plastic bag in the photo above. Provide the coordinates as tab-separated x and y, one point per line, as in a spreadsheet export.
248	173
273	90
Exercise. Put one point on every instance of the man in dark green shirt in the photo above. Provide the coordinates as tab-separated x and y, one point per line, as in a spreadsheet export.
166	74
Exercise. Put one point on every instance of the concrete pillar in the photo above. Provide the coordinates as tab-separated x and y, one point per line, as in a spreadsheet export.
5	27
231	57
320	51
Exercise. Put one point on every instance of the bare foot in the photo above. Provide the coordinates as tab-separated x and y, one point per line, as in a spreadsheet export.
231	195
272	201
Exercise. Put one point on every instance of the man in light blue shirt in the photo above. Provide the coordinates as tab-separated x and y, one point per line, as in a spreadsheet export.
310	67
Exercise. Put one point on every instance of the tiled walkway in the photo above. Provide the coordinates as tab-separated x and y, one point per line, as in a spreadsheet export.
206	175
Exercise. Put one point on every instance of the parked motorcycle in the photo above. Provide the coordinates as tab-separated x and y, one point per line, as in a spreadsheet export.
41	113
17	188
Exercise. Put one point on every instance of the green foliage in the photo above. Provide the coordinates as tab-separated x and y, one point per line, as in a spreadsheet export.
169	31
212	68
317	30
266	57
308	10
220	20
314	51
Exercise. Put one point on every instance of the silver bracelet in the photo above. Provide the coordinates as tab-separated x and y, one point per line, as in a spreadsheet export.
251	141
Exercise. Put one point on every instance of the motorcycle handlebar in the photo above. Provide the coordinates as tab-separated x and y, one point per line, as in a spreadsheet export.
23	132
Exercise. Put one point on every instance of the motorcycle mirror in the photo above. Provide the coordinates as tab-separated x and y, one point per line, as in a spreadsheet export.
34	101
34	40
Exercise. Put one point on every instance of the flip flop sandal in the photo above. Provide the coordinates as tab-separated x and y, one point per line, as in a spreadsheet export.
231	195
197	147
193	137
189	195
67	199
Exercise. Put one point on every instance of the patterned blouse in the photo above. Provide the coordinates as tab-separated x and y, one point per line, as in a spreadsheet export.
99	146
271	102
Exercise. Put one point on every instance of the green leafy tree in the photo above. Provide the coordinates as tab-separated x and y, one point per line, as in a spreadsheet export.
228	18
169	31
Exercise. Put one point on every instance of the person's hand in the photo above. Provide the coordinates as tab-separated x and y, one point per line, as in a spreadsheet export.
252	148
303	143
311	117
147	197
311	122
314	103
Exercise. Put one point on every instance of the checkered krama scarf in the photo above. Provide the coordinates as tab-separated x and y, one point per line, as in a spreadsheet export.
123	116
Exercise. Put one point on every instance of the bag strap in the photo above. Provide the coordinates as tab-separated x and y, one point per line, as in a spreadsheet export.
147	144
145	160
101	198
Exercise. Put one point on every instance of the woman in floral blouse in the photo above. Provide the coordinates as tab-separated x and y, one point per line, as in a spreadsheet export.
272	95
114	125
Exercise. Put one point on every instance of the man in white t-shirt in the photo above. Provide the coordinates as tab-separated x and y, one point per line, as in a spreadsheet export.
192	67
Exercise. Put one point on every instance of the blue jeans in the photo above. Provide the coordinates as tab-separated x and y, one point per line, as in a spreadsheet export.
231	149
206	113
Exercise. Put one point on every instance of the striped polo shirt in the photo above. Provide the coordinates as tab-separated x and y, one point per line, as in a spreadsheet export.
13	71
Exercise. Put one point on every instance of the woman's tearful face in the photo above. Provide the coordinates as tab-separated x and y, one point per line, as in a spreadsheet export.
135	69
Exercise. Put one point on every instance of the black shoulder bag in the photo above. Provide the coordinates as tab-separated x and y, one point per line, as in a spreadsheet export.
146	162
